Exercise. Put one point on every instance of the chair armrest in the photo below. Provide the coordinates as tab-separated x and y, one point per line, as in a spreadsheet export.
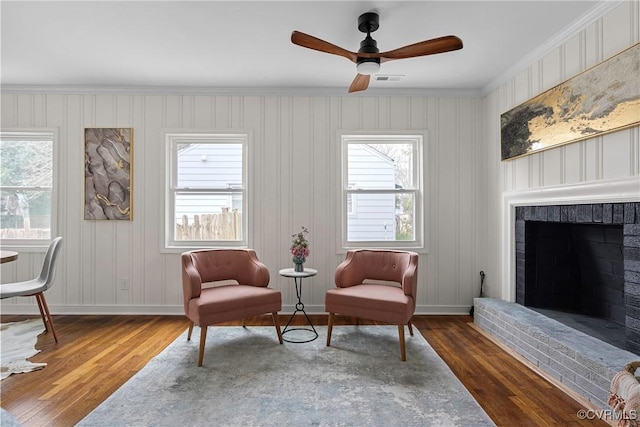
410	277
256	273
348	273
191	280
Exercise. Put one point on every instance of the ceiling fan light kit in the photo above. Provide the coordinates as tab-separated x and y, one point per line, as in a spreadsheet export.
368	58
368	67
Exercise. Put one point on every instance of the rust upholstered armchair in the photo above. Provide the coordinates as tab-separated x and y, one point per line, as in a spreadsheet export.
242	290
377	285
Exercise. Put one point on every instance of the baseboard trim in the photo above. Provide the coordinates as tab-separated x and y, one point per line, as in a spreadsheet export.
29	309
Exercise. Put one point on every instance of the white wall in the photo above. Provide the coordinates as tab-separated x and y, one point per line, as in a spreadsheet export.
294	179
295	175
602	168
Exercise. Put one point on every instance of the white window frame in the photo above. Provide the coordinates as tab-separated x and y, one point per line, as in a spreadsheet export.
39	134
351	208
172	139
417	139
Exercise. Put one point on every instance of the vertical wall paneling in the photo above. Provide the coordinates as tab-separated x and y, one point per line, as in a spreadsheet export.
617	29
446	202
268	190
71	171
295	178
150	190
635	151
138	244
610	158
25	110
321	225
105	231
88	119
466	199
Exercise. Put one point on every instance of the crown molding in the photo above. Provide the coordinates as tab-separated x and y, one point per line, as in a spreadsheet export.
238	91
595	13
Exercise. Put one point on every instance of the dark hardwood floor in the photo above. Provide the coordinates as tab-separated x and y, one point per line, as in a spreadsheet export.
97	354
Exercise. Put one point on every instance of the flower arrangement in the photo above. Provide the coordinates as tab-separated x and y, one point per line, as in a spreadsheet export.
300	246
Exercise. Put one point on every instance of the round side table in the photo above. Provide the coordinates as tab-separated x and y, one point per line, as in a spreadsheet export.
297	277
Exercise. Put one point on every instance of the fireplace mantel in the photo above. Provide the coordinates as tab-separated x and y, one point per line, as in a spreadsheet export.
618	191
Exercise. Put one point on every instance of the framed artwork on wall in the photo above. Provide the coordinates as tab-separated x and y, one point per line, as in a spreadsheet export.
108	173
602	99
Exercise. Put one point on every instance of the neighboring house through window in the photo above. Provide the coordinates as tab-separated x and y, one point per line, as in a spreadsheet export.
207	192
382	176
26	186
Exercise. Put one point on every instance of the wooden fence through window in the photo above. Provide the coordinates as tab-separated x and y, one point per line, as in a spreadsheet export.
226	225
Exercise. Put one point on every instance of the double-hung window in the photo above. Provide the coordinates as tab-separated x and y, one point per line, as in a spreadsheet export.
26	186
381	189
207	189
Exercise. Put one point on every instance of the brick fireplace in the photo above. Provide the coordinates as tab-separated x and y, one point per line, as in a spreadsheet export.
583	259
571	358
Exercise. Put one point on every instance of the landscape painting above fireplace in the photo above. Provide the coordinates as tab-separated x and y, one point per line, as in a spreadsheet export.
602	99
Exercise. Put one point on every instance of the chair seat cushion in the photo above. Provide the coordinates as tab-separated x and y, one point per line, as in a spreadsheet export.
374	302
25	288
232	302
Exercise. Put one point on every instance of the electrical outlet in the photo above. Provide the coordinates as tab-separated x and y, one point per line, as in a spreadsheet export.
124	283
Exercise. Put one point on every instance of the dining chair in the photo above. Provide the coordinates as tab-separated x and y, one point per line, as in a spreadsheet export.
378	285
36	287
240	289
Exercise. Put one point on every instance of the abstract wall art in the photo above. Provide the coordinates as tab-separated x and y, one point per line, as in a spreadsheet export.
108	173
602	99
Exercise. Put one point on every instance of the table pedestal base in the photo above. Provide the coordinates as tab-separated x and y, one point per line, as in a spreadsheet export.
309	330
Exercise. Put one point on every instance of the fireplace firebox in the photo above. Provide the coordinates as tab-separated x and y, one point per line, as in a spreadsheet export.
584	260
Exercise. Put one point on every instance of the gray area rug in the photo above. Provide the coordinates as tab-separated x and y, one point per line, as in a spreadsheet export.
248	379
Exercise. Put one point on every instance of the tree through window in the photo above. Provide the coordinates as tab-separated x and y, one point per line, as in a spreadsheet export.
382	177
26	185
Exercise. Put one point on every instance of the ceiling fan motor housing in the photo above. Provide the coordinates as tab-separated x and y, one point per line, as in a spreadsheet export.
368	23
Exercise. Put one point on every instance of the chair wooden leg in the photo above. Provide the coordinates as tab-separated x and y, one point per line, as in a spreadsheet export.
329	329
403	355
276	323
46	316
410	328
190	331
203	340
244	325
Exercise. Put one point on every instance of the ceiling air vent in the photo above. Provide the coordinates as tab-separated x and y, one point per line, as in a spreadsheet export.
388	77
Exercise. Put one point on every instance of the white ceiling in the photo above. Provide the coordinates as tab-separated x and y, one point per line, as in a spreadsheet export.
242	44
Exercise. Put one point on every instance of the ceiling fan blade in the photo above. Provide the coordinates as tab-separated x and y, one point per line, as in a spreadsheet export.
361	82
310	42
427	47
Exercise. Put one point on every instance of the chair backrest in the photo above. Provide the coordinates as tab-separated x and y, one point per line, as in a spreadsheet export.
230	264
213	265
379	264
47	274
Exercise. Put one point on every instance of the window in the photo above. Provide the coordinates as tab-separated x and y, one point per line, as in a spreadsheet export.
207	191
26	186
382	177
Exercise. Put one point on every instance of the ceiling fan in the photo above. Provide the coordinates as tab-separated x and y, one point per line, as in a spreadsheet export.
368	58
